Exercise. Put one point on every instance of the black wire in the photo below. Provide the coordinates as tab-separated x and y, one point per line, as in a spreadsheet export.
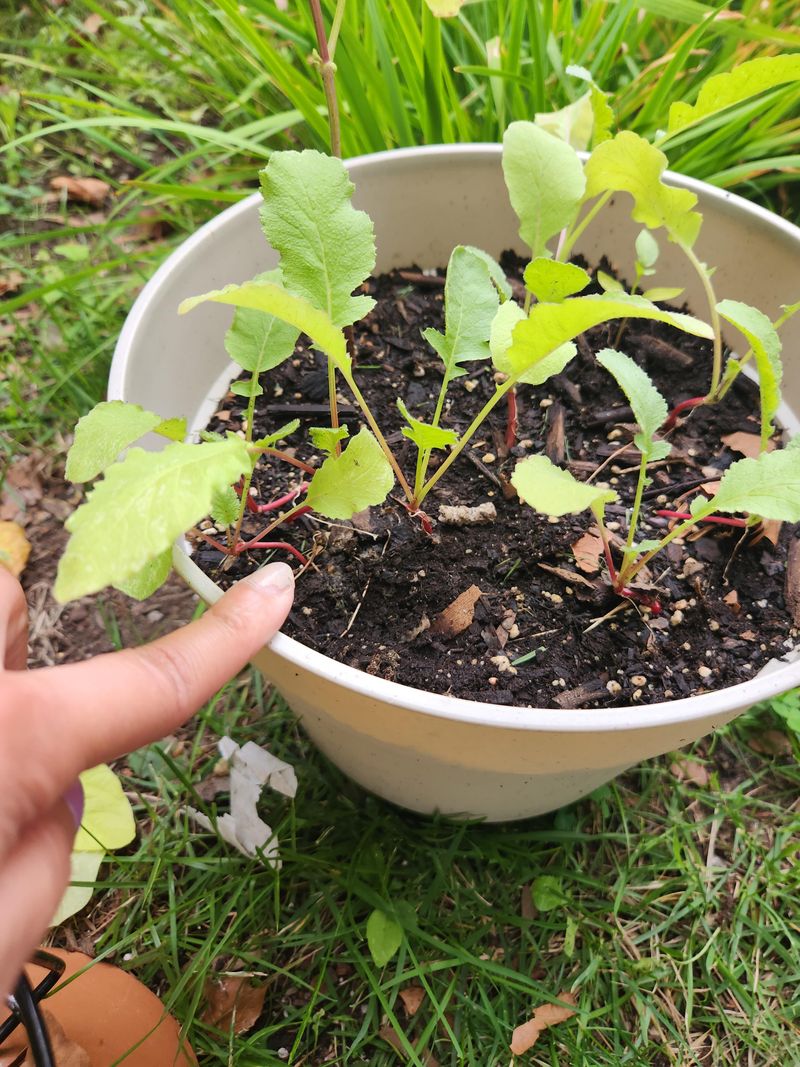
38	1038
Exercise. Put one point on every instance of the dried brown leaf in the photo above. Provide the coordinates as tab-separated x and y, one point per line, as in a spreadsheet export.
86	190
687	770
526	1035
14	548
66	1053
458	615
732	600
748	444
10	281
771	743
233	1002
792	588
391	1036
567	575
92	23
587	551
412	997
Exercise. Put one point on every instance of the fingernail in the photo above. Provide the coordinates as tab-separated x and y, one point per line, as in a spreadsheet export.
275	577
73	798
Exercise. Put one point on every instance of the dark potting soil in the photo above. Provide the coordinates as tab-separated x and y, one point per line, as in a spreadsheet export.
375	592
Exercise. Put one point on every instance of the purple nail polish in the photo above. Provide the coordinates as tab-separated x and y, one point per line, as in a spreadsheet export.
73	798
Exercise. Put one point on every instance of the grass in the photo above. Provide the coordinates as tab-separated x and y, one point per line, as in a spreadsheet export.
675	957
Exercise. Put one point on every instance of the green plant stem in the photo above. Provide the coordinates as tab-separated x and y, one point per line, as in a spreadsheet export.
705	281
248	436
332	402
381	439
499	393
336	25
634	519
281	518
328	72
576	230
662	544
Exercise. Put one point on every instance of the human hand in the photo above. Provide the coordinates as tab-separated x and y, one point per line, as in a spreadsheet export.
58	721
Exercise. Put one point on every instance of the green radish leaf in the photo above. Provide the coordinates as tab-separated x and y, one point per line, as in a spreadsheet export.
357	479
327	247
174	429
326	438
544	205
649	406
766	346
273	438
139	508
573	123
258	341
549	325
384	937
547	893
248	389
551	281
496	272
768	486
101	435
725	90
553	491
423	434
647	250
602	112
151	577
266	296
470	304
225	506
500	343
211	435
627	163
662	292
609	284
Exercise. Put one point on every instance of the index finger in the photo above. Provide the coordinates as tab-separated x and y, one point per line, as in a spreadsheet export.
82	714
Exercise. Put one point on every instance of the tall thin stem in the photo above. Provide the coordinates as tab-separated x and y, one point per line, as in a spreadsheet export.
634	519
576	231
705	281
328	71
248	436
381	439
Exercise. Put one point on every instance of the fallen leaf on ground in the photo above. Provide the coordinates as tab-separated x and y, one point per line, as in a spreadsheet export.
771	529
92	23
792	588
732	600
66	1053
749	444
771	743
86	190
251	769
587	551
233	1003
10	281
457	616
391	1036
547	1015
567	575
14	548
688	770
412	997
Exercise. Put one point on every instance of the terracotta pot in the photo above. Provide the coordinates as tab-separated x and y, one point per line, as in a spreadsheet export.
423	751
106	1012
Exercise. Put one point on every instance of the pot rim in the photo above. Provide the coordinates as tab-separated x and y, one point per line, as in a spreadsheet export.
767	684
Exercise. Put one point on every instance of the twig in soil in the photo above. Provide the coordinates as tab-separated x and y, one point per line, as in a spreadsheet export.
347	628
622	606
424	281
602	418
607	460
512	422
737	548
675	487
654	346
481	466
555	442
578	697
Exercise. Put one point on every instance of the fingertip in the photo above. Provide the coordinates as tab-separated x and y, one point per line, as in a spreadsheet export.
275	578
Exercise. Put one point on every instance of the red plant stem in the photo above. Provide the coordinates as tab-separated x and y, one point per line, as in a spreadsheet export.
678	410
739	523
245	546
512	425
274	505
214	543
612	570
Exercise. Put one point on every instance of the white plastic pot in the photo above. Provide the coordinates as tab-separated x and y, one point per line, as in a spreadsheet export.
422	751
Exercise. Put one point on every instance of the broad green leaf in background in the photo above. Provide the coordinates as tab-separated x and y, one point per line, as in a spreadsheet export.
247	388
551	281
547	893
107	821
609	284
327	247
83	867
602	112
279	434
496	272
649	406
151	577
139	508
500	342
357	479
549	325
724	90
553	491
326	438
101	435
225	506
423	434
257	341
266	296
647	251
662	292
545	182
573	123
766	345
470	303
384	937
630	164
768	486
